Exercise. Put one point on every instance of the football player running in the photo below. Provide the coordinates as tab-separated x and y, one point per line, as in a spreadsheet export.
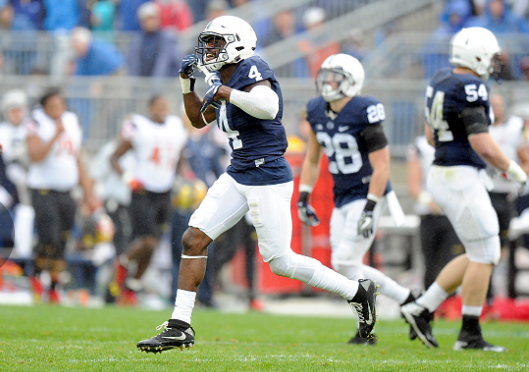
245	98
458	117
348	127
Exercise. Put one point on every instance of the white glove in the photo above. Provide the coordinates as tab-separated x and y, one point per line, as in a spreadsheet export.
515	173
208	76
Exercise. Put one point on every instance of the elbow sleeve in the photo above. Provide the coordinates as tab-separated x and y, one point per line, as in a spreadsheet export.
260	102
475	120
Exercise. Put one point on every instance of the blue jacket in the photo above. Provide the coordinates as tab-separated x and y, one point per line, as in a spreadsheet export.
167	62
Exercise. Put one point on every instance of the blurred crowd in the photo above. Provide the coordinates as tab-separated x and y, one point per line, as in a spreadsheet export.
86	34
504	18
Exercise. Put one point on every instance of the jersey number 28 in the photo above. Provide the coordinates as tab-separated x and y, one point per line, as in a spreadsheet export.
344	148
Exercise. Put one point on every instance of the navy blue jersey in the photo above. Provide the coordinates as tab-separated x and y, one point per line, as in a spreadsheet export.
257	145
345	148
446	97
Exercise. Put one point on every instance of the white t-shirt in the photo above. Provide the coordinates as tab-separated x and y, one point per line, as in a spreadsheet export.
422	151
109	184
58	170
157	148
13	140
509	137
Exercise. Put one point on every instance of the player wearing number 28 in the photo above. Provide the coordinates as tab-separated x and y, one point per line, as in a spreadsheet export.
458	115
245	99
348	127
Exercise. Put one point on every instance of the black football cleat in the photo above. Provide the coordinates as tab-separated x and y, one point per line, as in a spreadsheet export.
176	335
357	340
364	303
419	319
477	343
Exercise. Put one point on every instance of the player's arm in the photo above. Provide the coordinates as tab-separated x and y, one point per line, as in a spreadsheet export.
476	124
192	102
310	170
429	135
414	175
37	149
87	184
376	144
257	100
523	155
123	146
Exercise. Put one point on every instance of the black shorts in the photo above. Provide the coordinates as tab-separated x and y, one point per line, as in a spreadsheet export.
505	210
149	212
54	219
439	244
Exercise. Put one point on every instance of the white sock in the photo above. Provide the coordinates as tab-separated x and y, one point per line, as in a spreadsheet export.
183	305
472	310
330	280
433	297
388	287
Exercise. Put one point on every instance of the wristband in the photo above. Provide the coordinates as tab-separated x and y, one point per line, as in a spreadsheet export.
424	198
373	197
188	85
303	197
127	177
305	188
370	205
515	172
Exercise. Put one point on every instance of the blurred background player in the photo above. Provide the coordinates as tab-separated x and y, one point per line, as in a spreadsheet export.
115	194
348	127
258	180
439	242
13	133
157	142
457	110
508	133
54	148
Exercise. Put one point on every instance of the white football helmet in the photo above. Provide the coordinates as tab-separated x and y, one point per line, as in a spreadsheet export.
476	48
346	71
240	42
14	98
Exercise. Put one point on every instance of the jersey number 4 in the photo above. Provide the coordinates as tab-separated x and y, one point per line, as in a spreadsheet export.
236	143
434	116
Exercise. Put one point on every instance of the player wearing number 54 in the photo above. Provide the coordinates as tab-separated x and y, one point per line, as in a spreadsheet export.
245	99
458	117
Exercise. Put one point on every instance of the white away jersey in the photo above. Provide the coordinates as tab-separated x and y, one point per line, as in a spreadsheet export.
58	170
157	148
422	151
13	140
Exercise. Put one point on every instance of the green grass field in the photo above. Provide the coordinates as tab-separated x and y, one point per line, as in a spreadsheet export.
50	338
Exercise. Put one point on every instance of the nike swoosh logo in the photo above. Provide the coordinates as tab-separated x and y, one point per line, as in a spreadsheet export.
370	320
179	338
342	129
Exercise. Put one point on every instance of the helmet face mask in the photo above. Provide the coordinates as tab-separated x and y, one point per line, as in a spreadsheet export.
225	40
476	48
340	76
328	84
497	66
